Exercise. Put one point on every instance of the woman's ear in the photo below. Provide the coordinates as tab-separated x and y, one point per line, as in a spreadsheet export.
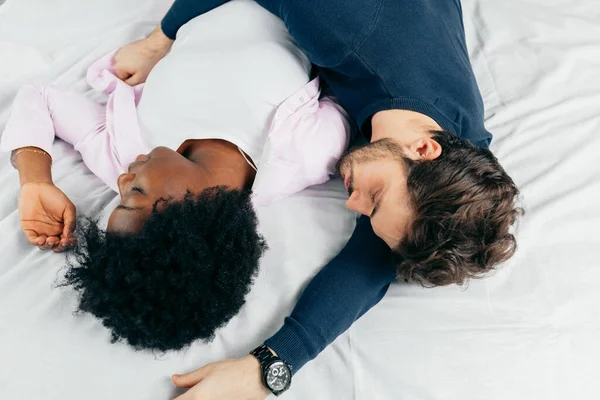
425	148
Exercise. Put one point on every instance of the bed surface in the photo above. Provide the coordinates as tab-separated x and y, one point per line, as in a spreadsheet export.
529	332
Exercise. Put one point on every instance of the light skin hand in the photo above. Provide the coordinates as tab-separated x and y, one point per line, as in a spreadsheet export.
235	379
47	215
133	62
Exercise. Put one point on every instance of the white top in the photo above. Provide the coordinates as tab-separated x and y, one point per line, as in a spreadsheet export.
236	65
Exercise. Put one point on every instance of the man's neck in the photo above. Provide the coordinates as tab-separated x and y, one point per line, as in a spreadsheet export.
401	125
223	158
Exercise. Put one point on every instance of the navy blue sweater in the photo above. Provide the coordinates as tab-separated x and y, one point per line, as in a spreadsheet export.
375	55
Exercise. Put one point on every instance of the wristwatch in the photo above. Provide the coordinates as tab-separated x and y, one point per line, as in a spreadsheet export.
276	374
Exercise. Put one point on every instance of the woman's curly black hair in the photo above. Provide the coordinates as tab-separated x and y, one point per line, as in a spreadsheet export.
186	274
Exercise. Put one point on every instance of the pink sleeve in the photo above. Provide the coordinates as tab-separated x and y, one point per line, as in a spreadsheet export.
323	134
303	151
333	131
39	113
29	123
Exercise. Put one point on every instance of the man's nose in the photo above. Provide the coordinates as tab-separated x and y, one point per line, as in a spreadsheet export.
123	181
359	203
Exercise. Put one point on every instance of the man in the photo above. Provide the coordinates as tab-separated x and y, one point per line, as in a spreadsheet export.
426	186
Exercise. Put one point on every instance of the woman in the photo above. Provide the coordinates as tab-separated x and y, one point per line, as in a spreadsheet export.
182	245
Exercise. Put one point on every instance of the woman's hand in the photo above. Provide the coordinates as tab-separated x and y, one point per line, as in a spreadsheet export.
133	62
237	379
47	216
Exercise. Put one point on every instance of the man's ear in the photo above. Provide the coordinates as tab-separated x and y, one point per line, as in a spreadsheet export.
425	148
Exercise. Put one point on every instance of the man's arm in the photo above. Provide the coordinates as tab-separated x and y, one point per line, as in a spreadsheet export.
183	11
133	62
346	288
351	284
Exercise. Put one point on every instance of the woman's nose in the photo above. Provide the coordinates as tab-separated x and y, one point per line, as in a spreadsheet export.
359	203
123	181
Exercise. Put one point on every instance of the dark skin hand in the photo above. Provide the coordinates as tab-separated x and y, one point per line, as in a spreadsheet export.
46	213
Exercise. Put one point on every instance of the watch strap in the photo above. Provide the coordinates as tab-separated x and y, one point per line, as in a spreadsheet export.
266	358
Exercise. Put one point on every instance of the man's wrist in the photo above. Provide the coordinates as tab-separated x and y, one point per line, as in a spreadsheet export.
158	41
276	373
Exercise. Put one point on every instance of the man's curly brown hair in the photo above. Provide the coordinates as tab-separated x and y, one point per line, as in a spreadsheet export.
464	204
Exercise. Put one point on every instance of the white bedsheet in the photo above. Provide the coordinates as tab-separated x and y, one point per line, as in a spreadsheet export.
529	332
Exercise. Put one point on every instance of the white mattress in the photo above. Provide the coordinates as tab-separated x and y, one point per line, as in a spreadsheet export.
529	332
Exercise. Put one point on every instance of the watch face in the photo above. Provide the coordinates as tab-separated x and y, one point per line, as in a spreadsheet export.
278	376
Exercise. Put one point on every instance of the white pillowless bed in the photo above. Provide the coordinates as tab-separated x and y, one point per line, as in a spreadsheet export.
529	332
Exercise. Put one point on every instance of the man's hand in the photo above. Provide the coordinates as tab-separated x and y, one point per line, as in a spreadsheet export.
134	61
47	216
237	379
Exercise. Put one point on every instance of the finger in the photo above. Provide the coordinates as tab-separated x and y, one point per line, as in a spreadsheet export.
70	218
61	246
59	249
52	241
134	80
44	247
33	238
122	74
65	244
189	380
40	240
49	243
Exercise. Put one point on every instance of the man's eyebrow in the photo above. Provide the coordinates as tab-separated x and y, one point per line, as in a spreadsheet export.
122	207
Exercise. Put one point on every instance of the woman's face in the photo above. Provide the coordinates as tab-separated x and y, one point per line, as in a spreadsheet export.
164	175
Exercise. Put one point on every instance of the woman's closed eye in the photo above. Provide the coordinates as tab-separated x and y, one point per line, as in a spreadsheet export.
138	190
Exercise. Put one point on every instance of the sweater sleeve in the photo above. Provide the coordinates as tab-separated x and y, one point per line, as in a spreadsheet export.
183	11
353	282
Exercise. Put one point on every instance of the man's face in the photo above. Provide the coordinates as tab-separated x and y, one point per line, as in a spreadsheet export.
375	176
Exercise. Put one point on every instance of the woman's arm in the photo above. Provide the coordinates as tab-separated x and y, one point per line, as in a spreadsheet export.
40	113
47	216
